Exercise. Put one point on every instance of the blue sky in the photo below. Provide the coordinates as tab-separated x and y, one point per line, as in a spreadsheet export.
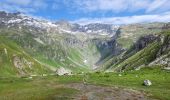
96	11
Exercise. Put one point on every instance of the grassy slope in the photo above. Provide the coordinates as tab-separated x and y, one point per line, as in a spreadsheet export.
74	61
142	57
48	55
129	35
6	59
146	55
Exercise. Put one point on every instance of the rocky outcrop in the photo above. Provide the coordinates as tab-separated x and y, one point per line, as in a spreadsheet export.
140	44
166	26
163	61
144	41
163	54
165	47
22	64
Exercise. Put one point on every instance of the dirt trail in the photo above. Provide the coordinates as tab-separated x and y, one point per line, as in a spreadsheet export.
93	92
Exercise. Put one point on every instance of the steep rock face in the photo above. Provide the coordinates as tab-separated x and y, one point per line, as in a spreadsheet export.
131	33
140	44
144	41
163	55
166	26
163	60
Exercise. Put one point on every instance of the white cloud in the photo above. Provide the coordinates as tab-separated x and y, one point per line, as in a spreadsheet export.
20	2
157	4
119	6
150	9
39	4
136	5
108	5
14	8
97	5
25	6
113	5
165	17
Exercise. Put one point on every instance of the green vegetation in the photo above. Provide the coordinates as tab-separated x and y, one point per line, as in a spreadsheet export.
142	57
39	88
14	61
28	56
160	80
160	88
54	55
125	42
53	87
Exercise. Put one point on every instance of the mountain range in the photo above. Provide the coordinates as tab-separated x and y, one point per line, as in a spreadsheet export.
35	46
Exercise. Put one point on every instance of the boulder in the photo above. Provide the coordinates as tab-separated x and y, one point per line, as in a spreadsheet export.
63	71
119	75
44	74
147	83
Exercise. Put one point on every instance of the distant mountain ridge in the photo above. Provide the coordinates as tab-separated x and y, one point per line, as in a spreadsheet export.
11	19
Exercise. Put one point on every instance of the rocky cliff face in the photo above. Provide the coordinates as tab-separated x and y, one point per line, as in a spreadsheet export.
131	33
144	41
163	55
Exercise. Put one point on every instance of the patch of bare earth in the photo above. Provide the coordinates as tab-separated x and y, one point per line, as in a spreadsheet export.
93	92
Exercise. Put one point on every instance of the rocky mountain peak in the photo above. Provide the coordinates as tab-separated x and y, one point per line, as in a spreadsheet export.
62	26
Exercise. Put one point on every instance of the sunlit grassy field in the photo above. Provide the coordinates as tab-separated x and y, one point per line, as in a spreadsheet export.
53	87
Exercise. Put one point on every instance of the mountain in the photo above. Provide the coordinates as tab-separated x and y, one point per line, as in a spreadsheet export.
149	50
133	38
61	44
96	46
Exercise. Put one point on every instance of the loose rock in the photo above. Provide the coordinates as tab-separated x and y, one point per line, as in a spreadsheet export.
147	83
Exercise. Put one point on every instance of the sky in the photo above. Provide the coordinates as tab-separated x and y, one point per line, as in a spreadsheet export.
92	11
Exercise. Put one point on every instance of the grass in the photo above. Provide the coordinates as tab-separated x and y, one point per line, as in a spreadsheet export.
160	79
52	87
125	42
35	89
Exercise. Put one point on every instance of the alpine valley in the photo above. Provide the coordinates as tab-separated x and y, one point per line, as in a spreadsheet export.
35	52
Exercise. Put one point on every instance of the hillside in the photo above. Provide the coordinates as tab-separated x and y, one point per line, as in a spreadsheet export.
150	50
14	61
